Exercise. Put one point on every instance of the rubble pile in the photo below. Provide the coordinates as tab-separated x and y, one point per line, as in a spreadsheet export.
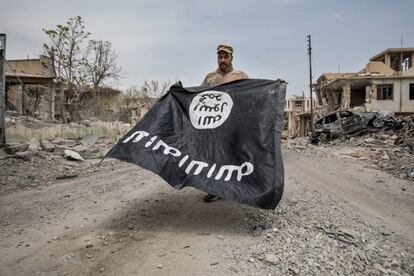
311	236
406	138
38	163
381	150
388	150
302	145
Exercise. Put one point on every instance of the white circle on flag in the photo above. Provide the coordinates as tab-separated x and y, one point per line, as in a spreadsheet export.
210	109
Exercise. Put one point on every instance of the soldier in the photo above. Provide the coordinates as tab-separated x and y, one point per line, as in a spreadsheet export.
224	73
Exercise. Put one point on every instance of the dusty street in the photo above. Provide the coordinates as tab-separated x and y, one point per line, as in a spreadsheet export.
337	217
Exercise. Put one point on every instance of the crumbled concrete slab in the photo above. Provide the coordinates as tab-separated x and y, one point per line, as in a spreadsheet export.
46	145
14	147
72	155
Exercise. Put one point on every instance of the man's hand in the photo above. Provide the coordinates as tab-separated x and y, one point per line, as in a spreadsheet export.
282	81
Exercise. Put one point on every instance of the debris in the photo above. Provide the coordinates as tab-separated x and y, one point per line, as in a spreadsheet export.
72	155
257	231
294	270
14	147
67	176
89	139
370	140
25	155
46	145
403	176
64	142
160	266
380	268
34	145
382	147
59	150
342	235
271	259
214	263
348	123
386	233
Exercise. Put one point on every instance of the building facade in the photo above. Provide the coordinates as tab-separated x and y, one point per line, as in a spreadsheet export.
386	84
297	121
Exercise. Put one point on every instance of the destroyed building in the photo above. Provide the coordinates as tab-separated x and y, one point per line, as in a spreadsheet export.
31	90
136	107
26	79
104	103
297	119
386	84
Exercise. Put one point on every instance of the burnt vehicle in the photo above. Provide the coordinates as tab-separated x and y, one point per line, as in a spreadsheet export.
348	123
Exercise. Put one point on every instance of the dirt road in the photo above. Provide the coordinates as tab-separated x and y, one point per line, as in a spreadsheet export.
336	217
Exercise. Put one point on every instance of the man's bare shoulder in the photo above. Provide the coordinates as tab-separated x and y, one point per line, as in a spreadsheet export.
211	74
240	74
209	78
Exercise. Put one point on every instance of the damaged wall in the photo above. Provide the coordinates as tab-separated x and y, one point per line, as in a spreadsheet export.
404	106
18	130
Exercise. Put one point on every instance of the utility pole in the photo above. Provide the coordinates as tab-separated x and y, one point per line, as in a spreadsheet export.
310	79
2	90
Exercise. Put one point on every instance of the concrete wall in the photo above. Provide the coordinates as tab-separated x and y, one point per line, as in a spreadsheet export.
14	96
30	66
290	105
378	67
393	105
291	113
27	131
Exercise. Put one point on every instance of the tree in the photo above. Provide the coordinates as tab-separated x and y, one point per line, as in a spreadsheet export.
67	59
155	89
101	63
150	90
139	99
100	66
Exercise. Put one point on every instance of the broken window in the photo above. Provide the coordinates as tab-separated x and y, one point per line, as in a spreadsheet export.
331	118
298	103
385	91
411	91
319	123
405	65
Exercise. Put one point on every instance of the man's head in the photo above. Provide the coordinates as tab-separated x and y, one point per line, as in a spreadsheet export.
224	57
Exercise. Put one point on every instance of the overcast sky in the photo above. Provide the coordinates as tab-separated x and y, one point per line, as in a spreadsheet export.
176	39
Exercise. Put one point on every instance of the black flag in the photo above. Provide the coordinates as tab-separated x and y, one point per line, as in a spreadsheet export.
223	140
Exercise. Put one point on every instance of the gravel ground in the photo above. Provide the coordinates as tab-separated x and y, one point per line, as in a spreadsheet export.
338	216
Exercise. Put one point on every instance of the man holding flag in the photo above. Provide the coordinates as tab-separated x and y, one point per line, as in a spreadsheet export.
224	73
222	138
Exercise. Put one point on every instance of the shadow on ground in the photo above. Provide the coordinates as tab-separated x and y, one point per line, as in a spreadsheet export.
185	211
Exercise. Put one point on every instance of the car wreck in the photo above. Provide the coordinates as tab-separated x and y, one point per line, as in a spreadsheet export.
347	123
